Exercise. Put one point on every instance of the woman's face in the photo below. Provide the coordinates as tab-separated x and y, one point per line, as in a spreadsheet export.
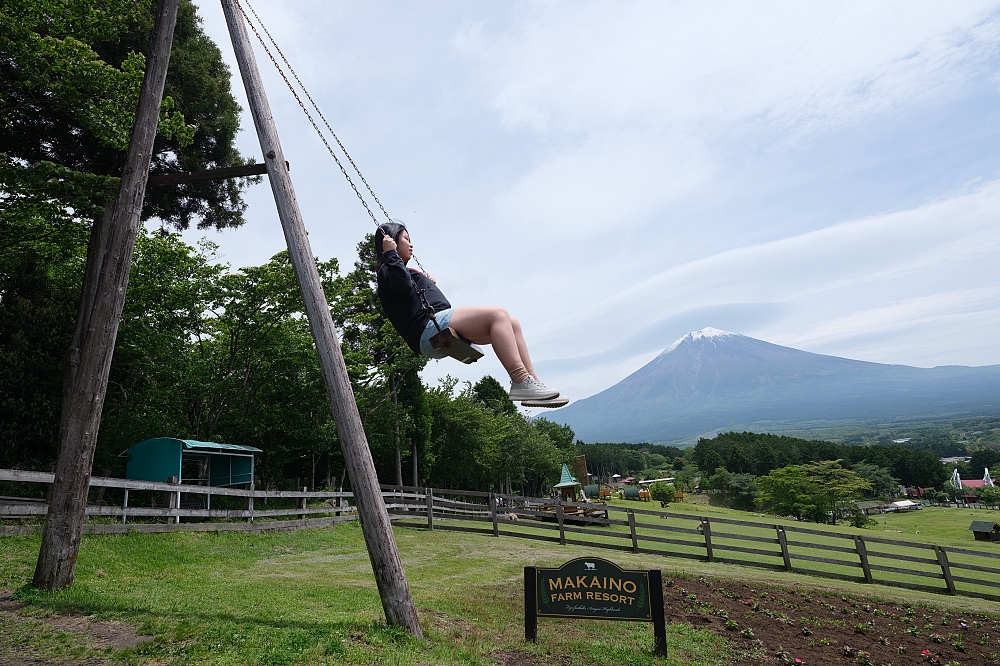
403	247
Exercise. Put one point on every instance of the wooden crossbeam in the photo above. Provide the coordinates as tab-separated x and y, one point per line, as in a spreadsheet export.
183	177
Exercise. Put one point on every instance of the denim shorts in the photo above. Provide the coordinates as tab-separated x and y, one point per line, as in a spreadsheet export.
443	319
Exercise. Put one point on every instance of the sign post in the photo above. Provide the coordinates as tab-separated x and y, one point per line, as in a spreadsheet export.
596	589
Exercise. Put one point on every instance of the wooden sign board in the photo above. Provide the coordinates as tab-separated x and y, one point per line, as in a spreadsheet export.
596	589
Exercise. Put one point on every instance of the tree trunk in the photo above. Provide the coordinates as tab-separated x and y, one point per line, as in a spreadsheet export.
394	591
416	478
109	259
395	423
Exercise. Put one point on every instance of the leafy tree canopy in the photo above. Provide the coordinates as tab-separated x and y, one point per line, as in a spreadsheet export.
815	490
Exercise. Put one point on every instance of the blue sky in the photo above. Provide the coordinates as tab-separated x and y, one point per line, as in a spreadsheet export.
823	176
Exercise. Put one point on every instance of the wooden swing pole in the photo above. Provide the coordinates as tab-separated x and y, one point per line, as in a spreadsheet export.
109	260
389	576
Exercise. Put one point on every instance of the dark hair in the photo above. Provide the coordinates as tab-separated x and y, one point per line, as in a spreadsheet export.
392	229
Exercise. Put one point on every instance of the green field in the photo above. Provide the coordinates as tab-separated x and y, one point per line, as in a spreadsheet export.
309	597
897	554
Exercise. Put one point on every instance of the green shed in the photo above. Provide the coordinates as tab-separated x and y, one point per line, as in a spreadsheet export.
191	461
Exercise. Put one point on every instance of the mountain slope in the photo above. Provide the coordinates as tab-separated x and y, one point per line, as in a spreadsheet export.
712	379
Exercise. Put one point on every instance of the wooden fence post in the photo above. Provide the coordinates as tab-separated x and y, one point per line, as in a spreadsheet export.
124	507
208	501
942	558
174	499
493	510
393	588
560	518
302	505
783	542
631	529
859	545
706	529
429	496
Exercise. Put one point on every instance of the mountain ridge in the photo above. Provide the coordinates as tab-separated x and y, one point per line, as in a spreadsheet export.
711	379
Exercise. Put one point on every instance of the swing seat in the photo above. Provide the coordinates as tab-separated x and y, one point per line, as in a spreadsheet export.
455	346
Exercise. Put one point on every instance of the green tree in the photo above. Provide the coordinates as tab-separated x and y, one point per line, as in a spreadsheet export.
814	490
983	459
989	495
661	491
69	82
560	435
491	393
883	484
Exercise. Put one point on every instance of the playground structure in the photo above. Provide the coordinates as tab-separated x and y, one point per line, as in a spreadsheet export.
106	278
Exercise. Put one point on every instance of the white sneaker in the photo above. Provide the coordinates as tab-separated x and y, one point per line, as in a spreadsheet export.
531	389
552	403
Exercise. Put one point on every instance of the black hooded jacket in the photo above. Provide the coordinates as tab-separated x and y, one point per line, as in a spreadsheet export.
400	300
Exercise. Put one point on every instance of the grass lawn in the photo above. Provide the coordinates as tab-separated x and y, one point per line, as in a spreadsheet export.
308	597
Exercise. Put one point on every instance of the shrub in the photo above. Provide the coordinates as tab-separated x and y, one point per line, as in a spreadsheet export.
860	520
661	491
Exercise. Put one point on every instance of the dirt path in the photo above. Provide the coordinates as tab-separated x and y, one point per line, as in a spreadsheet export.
94	634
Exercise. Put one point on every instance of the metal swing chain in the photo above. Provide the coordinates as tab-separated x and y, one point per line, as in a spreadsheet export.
315	106
425	305
306	111
318	111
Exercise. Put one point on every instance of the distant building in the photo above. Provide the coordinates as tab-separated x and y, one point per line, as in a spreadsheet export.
902	440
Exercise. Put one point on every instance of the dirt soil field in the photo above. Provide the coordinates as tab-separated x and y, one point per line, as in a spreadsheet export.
798	626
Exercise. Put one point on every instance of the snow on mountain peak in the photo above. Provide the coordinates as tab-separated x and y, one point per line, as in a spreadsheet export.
709	332
706	333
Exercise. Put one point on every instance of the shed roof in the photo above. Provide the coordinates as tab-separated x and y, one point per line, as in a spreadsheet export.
566	480
194	444
973	483
982	526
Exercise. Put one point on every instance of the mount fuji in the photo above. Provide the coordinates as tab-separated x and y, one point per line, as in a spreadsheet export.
712	380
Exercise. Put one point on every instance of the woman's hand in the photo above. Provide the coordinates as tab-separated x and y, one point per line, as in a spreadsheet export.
430	278
388	243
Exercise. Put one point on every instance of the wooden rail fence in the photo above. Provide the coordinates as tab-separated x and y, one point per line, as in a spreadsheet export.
804	550
175	509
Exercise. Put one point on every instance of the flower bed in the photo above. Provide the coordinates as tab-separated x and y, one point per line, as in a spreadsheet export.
813	628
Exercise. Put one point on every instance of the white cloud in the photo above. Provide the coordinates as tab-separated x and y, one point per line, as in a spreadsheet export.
600	167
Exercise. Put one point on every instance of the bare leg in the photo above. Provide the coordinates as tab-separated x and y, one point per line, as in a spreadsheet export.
522	347
493	326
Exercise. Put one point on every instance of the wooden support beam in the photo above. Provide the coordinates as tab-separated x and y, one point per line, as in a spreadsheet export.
429	497
631	529
387	566
105	281
183	177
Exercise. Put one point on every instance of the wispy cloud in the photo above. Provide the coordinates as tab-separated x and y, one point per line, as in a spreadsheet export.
614	173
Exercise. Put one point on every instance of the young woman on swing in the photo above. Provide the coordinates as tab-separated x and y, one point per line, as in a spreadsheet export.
399	290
